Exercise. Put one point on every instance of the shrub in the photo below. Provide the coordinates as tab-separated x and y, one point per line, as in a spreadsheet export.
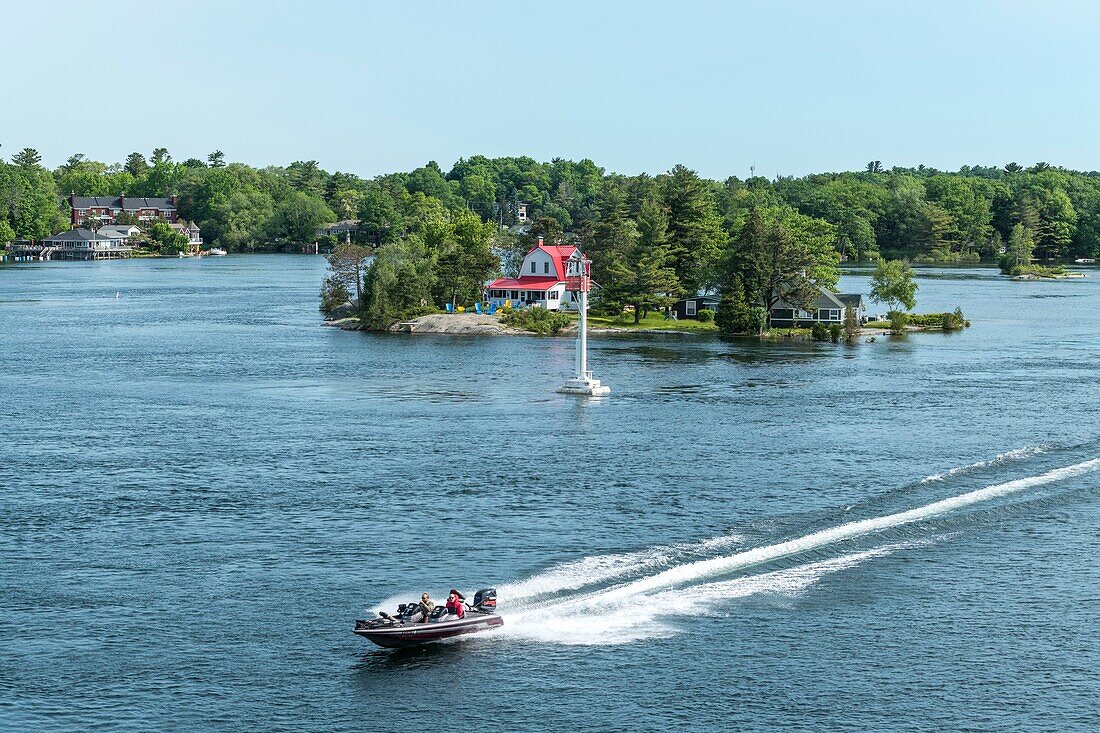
898	321
706	315
505	310
834	333
333	294
819	332
537	320
757	319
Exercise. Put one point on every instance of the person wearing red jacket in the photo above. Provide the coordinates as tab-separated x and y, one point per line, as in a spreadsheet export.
455	603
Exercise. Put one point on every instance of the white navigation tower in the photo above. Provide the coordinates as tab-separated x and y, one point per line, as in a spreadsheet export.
578	281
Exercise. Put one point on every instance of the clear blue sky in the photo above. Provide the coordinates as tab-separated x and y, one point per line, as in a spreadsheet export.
790	87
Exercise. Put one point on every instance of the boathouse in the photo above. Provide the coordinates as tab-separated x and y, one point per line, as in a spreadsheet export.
79	244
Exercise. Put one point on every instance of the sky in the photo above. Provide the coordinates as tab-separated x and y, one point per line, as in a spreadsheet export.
782	87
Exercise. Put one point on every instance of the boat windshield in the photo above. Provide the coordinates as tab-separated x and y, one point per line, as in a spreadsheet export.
439	613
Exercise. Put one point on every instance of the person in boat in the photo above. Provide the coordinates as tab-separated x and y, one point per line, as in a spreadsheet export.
455	604
424	608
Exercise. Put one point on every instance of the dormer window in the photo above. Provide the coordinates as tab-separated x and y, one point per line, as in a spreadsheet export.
533	267
545	268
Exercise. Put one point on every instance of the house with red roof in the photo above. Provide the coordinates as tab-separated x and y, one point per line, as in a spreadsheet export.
541	281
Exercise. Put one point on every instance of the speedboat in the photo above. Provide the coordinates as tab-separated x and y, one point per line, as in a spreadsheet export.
407	629
217	252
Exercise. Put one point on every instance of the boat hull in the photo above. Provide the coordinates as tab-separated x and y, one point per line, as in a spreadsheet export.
400	636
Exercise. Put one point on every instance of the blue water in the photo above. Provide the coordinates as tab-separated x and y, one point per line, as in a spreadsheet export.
201	488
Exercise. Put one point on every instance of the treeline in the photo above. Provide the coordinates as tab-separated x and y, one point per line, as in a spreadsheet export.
919	213
650	237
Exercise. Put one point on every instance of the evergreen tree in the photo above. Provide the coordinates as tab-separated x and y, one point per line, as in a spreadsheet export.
27	158
694	228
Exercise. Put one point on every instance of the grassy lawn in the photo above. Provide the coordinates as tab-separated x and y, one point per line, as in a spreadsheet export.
655	322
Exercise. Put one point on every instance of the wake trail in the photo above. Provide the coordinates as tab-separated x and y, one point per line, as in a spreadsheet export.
602	568
1017	454
694	571
647	618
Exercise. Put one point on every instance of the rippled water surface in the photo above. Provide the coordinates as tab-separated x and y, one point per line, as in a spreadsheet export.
201	488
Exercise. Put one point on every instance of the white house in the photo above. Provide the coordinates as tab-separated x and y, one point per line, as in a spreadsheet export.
120	233
541	281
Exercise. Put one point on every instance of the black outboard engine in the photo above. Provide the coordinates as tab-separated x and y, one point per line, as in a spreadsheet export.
485	600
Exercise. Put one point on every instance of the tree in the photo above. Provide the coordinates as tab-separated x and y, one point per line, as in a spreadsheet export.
875	166
298	216
398	282
892	283
7	234
1013	168
465	261
27	158
640	272
216	159
694	228
348	263
851	325
135	164
160	156
334	293
782	255
166	239
1018	250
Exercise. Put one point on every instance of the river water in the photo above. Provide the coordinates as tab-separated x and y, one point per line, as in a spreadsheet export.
201	488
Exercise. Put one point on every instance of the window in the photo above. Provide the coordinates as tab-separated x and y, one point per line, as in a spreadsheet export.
545	268
532	267
554	295
828	314
689	307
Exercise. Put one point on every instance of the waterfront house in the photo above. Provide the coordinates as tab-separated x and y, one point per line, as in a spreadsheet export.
342	229
827	308
120	233
83	244
857	302
541	281
191	231
106	209
690	307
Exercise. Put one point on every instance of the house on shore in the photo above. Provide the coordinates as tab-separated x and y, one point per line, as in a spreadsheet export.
342	229
827	308
82	244
690	307
120	233
191	231
107	209
541	281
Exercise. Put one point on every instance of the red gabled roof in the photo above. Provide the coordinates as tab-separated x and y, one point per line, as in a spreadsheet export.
524	283
559	253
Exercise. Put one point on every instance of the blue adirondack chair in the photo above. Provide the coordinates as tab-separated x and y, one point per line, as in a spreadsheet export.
477	308
493	309
450	308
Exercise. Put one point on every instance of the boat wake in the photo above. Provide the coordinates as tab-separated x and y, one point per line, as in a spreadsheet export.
592	601
1018	454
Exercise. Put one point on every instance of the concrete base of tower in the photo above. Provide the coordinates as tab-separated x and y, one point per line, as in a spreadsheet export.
584	386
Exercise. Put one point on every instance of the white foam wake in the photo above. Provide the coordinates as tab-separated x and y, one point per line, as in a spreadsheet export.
691	572
1017	454
654	616
602	568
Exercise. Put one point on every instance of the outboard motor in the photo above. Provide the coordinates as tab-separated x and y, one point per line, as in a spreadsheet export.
485	600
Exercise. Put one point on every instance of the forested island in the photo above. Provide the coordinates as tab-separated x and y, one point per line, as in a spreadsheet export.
436	236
